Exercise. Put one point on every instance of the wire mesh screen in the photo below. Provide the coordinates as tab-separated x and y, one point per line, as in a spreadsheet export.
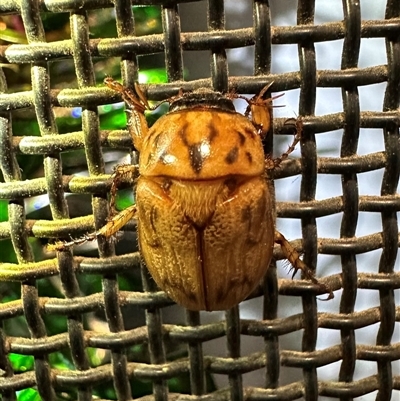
89	323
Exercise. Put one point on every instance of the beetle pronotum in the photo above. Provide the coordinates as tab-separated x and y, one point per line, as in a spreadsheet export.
204	207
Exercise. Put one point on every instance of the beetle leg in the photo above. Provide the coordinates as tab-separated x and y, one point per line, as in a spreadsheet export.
122	172
271	164
111	228
297	264
292	147
259	109
137	104
135	99
117	222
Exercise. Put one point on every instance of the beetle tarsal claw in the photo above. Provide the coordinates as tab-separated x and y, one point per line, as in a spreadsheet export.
295	270
62	246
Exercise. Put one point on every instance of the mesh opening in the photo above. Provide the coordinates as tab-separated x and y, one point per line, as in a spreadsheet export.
92	324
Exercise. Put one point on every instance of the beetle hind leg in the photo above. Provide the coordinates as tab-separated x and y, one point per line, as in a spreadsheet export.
297	264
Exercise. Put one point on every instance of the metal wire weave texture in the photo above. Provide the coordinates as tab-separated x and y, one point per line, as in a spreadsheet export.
81	379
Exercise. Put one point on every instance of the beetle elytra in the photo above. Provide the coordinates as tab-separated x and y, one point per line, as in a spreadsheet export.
204	207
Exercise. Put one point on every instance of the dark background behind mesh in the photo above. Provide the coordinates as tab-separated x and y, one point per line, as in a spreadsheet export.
287	371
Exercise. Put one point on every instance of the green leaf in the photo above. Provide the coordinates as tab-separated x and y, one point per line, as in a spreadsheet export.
124	199
59	361
28	394
3	210
21	363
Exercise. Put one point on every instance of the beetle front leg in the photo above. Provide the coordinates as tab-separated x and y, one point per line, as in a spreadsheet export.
137	104
297	264
259	108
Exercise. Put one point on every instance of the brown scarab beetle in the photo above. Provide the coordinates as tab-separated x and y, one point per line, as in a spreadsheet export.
204	207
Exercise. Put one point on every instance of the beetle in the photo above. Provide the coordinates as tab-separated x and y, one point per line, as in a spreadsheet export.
204	205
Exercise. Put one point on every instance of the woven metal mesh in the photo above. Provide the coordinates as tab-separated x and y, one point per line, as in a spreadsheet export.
107	305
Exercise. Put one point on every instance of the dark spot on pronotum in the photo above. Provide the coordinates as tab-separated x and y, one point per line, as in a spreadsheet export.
213	132
249	157
183	133
232	155
196	158
242	138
